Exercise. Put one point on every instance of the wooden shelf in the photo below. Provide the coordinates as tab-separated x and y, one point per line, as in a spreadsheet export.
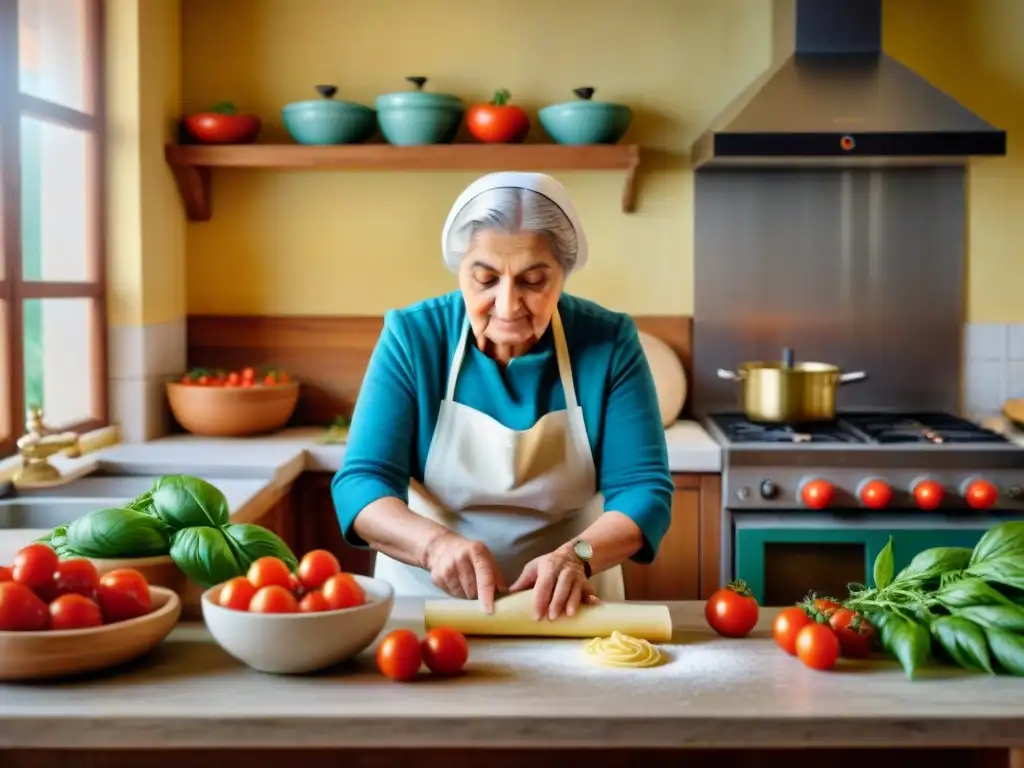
191	164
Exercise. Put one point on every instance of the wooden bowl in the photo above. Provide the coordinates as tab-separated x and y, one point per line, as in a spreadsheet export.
42	655
161	571
232	411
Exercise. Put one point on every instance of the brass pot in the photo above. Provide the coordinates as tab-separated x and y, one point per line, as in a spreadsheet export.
788	392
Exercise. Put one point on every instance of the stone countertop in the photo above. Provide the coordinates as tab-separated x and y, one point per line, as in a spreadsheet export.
284	455
713	693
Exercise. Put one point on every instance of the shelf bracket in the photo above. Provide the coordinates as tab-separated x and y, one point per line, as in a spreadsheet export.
629	188
193	182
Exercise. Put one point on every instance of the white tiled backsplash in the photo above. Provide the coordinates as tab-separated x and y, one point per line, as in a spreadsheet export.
993	366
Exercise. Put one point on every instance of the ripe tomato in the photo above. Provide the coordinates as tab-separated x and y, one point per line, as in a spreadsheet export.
820	607
123	594
854	632
248	374
72	611
234	379
787	626
317	567
342	591
732	610
445	651
20	609
5	574
817	646
78	576
269	571
498	122
236	594
314	602
270	380
399	655
273	599
223	126
295	586
35	565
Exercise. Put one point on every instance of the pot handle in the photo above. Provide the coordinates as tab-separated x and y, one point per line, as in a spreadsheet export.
848	378
729	375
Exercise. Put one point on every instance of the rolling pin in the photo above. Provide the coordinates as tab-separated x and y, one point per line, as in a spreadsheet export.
513	617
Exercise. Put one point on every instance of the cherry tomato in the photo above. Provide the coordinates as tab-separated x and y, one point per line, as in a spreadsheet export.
732	610
786	627
270	380
20	609
317	567
283	377
820	607
342	591
78	576
73	611
295	585
35	565
268	572
273	599
817	646
123	594
855	633
445	651
5	574
314	602
203	380
248	374
399	655
234	379
236	594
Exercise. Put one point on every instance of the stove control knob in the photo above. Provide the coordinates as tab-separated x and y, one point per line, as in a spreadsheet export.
927	494
980	494
875	493
817	493
769	490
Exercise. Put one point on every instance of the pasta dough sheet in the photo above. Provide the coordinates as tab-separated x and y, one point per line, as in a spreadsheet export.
513	617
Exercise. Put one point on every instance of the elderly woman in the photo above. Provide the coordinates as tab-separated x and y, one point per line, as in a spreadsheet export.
507	435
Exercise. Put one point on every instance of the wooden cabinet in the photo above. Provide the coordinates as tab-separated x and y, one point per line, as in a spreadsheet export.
686	567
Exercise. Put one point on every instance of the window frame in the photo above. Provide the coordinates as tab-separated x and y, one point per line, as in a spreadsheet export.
14	291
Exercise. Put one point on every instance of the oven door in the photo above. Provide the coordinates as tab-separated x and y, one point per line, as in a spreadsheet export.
783	557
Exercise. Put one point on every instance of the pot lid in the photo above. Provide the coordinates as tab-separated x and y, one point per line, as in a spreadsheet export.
327	102
585	100
418	97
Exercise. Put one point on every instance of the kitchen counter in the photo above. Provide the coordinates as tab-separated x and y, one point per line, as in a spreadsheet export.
714	693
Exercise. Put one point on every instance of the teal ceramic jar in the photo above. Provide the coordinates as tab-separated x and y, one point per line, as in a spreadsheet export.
326	121
585	121
413	118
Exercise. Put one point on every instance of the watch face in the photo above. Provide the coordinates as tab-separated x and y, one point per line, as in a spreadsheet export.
583	549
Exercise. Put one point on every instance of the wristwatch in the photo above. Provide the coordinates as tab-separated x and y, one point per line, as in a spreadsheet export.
584	552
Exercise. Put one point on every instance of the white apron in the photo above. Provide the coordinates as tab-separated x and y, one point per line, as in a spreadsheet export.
522	493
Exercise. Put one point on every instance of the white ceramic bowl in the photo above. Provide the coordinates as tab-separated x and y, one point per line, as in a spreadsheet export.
297	643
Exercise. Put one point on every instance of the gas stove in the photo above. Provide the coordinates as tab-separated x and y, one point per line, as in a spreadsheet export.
869	461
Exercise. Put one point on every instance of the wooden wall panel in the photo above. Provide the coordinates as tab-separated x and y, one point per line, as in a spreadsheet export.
329	354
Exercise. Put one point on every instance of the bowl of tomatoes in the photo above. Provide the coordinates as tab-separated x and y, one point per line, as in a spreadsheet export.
220	403
62	617
281	622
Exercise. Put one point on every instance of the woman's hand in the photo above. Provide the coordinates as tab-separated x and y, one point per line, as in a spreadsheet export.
465	569
559	584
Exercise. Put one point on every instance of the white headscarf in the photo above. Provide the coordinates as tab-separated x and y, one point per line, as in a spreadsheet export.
538	182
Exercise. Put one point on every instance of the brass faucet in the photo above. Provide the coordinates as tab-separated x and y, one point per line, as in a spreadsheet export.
36	447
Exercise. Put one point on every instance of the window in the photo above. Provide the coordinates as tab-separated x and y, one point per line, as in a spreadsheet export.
52	281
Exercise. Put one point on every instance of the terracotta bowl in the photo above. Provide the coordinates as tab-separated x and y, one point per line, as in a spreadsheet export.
232	411
161	572
297	643
41	655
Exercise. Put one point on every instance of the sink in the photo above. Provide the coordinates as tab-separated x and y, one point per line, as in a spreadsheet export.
120	487
42	513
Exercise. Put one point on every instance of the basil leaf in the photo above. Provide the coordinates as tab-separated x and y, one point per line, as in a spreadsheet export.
254	541
1005	539
933	563
143	503
1007	617
1007	570
203	554
114	533
970	592
1007	649
185	502
964	641
908	641
885	565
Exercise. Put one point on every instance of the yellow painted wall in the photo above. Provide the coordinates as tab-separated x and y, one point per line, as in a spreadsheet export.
359	243
145	223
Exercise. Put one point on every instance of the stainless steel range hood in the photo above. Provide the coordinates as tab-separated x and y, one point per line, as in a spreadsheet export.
840	101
